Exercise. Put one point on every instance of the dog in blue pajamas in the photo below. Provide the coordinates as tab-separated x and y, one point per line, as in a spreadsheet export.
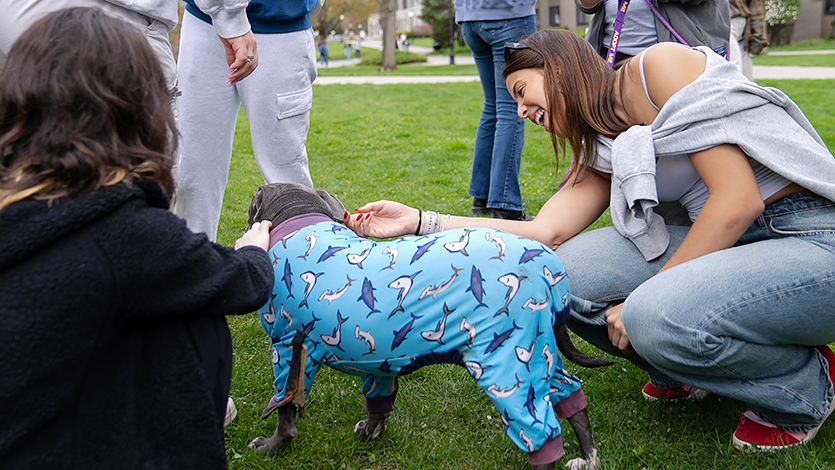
480	298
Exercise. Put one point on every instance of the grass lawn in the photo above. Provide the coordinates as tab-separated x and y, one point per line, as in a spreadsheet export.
413	143
402	69
808	60
813	45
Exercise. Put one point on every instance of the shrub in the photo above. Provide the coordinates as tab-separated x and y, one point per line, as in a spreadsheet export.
375	57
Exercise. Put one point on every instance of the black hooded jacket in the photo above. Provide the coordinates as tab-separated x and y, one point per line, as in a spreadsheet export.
111	319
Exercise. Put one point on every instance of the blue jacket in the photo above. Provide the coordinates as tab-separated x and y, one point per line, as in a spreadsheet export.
270	16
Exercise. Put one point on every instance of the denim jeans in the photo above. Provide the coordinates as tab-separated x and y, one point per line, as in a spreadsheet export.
740	322
500	137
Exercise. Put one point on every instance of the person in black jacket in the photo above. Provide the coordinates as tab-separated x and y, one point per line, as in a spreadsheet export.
114	350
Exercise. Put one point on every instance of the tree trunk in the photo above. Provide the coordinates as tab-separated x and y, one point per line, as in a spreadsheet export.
780	34
388	10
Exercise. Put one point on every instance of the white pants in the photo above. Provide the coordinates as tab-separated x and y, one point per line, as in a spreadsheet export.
17	15
739	51
277	98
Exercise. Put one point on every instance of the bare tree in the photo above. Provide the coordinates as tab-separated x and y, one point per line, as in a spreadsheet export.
351	11
388	12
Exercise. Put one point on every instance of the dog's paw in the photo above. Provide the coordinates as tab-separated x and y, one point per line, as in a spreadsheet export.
579	463
371	428
268	446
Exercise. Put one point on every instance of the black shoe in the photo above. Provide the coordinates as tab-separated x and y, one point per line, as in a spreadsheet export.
480	207
511	215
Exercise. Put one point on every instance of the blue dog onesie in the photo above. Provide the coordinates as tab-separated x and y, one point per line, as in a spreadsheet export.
480	298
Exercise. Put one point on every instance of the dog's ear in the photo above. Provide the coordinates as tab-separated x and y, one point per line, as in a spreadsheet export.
335	207
255	207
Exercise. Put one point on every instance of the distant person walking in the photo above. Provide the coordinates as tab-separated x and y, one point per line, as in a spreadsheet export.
346	42
324	52
747	34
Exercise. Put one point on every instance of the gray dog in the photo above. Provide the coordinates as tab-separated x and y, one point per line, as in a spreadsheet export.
489	301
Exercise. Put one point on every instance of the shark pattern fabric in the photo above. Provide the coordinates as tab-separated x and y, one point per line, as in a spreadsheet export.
480	298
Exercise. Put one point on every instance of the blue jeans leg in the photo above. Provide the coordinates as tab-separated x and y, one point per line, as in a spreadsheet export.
500	136
741	322
604	268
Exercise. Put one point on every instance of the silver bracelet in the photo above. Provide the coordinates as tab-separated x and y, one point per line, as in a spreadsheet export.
446	221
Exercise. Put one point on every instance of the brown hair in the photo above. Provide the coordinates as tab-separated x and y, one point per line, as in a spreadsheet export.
83	104
573	70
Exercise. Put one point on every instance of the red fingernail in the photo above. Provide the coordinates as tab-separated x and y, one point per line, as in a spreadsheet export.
346	215
368	216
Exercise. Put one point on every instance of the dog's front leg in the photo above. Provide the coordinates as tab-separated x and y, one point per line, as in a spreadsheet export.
285	432
588	459
371	428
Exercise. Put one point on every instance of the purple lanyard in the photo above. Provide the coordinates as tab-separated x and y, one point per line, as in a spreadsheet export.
618	26
666	24
613	45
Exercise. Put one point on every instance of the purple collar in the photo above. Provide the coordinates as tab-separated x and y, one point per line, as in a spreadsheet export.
294	224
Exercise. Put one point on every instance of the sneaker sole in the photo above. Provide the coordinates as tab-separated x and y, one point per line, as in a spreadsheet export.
231	413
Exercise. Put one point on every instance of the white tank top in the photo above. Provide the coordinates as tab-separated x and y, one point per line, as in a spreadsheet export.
676	179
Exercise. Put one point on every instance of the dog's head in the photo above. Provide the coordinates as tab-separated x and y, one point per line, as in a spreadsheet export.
278	202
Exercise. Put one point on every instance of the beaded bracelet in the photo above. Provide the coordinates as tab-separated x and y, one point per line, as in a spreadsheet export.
431	222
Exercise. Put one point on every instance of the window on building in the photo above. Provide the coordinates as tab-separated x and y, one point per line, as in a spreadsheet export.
554	16
582	18
829	7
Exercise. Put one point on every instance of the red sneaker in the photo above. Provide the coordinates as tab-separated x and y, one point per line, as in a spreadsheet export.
683	392
757	435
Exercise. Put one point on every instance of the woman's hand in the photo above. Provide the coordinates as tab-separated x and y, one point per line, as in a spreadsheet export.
383	219
617	334
258	235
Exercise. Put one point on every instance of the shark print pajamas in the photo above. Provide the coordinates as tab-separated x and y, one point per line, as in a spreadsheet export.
479	298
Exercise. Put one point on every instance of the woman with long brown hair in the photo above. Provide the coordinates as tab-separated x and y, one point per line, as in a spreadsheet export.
741	304
115	353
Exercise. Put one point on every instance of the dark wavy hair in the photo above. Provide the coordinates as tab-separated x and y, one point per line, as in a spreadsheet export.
83	104
573	70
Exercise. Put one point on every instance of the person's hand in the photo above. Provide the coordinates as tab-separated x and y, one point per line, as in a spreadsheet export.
617	334
258	235
241	55
383	219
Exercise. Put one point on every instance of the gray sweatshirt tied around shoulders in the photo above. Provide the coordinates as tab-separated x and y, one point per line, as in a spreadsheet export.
719	107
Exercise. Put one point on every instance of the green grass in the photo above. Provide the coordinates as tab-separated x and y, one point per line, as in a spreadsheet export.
809	60
813	45
403	69
413	143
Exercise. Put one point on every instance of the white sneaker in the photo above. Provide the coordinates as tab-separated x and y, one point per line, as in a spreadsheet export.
231	412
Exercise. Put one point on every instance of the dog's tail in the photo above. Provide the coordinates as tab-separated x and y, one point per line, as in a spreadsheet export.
570	352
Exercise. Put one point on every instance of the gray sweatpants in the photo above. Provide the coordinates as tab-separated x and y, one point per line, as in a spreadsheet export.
277	98
17	15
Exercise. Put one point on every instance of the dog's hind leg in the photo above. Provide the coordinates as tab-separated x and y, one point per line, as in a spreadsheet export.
380	393
285	432
588	459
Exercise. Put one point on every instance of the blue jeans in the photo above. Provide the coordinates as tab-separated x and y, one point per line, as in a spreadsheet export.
500	137
739	322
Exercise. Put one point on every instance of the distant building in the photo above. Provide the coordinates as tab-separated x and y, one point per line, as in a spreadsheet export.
407	18
815	20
